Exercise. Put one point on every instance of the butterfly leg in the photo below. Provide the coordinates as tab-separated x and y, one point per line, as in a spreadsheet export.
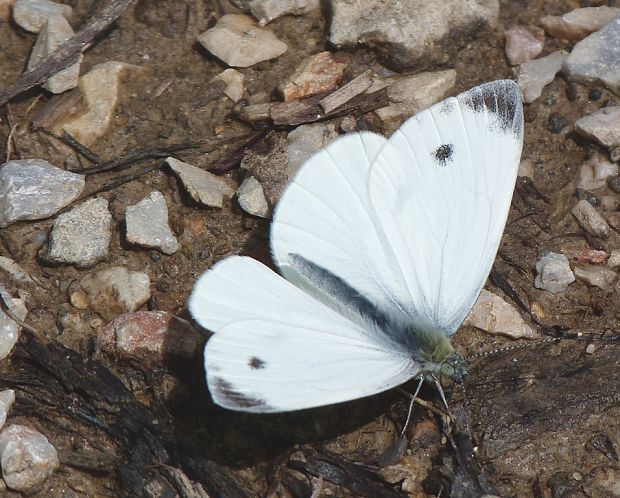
415	395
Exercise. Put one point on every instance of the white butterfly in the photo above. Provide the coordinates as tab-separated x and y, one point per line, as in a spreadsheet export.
384	246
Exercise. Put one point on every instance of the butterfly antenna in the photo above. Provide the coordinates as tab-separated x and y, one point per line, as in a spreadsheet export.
415	395
513	348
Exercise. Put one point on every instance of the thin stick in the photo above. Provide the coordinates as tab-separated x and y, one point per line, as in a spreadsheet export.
8	312
68	52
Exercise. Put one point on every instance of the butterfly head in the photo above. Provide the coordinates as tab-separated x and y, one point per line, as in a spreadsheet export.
437	354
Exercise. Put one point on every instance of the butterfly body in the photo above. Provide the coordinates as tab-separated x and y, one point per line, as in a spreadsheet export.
383	246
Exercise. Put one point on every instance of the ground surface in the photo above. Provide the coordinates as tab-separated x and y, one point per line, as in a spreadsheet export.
537	417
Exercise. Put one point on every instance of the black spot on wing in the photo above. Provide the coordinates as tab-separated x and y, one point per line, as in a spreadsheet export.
225	391
443	154
256	363
500	98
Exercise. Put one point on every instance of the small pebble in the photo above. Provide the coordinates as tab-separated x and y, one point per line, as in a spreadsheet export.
550	101
27	458
204	187
81	236
151	337
237	40
234	83
523	44
590	348
56	31
111	291
16	272
593	173
526	168
23	180
9	330
614	155
614	259
596	276
304	141
579	23
318	73
582	193
590	220
602	125
7	398
251	197
596	59
493	314
100	89
614	182
268	10
147	224
33	14
534	75
592	256
554	273
595	94
556	122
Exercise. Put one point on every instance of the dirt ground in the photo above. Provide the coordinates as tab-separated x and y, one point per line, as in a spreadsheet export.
544	421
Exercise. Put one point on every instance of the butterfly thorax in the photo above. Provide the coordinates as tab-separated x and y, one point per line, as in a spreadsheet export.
436	354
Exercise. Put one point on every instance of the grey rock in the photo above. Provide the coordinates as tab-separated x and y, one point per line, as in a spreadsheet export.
251	197
204	187
111	291
81	237
590	220
33	14
304	141
409	95
523	44
9	330
579	23
55	32
27	458
596	276
237	40
493	314
534	75
147	224
32	189
233	80
602	125
7	398
16	272
268	10
554	273
594	172
596	59
414	33
614	259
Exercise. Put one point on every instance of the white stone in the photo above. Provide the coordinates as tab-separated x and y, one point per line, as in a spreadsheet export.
590	220
268	10
534	75
7	398
593	173
234	83
27	458
111	291
522	44
597	276
493	314
251	197
147	224
33	14
526	168
237	40
304	141
33	189
602	125
100	90
409	95
9	330
614	259
412	34
579	23
554	273
55	32
596	59
204	187
80	236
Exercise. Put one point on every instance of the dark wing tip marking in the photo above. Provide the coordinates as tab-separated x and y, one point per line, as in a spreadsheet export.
226	391
501	98
256	363
443	154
